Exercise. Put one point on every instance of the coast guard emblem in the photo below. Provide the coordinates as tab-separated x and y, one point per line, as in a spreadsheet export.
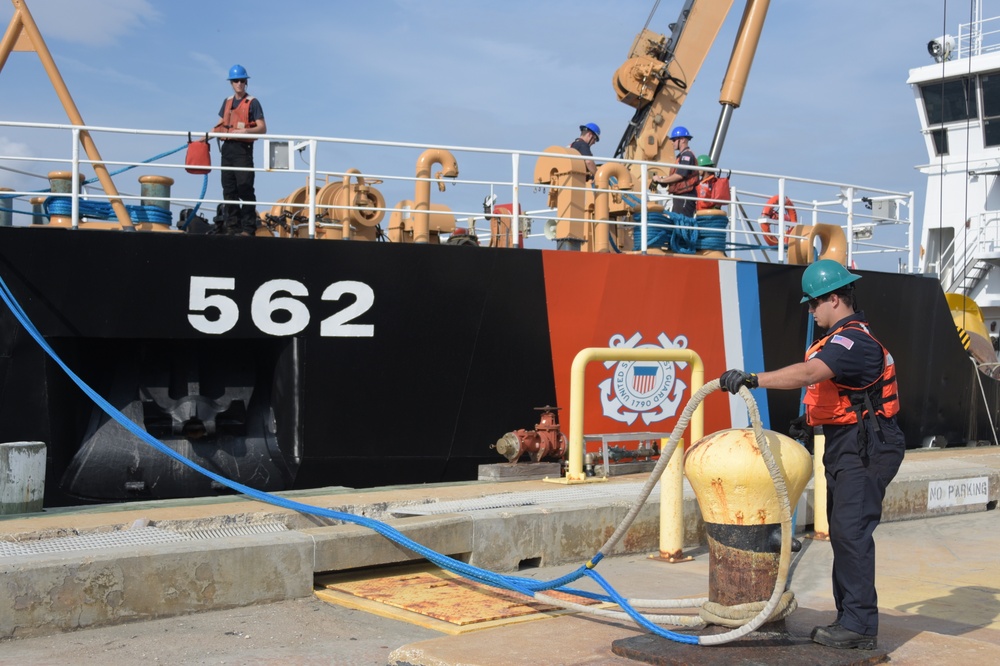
649	389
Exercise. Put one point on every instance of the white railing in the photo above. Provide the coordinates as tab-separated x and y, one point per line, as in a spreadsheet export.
979	241
878	223
978	37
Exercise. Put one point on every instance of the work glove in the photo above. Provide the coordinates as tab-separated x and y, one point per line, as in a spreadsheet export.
797	428
732	380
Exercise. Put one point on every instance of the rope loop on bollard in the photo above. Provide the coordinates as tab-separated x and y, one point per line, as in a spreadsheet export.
744	617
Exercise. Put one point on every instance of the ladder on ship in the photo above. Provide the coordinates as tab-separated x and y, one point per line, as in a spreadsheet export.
971	275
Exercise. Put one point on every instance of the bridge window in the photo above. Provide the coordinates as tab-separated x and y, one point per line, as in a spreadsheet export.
949	101
940	138
991	109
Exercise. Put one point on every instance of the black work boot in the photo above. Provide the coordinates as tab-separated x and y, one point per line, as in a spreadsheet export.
835	624
840	637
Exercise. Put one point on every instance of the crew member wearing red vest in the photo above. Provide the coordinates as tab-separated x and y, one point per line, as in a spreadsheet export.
681	182
712	191
852	393
240	115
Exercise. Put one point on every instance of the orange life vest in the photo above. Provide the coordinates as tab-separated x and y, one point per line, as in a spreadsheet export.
712	192
236	118
828	402
686	184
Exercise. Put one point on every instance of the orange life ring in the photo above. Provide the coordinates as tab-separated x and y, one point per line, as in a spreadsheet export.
771	211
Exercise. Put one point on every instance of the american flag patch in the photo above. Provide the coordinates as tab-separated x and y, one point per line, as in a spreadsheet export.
842	341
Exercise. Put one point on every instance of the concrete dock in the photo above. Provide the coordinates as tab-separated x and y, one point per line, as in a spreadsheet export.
203	572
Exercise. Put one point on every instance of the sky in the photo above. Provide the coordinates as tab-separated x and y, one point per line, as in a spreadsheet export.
826	99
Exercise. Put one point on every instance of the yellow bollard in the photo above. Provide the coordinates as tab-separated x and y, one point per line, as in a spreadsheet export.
821	525
672	509
37	210
155	186
741	509
6	217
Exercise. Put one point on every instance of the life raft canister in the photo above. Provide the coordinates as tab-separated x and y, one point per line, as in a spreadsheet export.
771	211
198	156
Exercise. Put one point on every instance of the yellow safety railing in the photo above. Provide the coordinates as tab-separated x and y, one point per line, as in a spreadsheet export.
672	481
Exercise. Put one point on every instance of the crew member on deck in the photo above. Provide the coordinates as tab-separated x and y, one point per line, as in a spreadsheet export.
852	393
680	181
240	115
712	191
589	135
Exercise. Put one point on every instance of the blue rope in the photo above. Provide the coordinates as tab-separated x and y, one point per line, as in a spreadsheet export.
99	213
102	210
146	161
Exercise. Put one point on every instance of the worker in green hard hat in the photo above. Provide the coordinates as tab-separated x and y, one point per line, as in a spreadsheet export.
712	191
851	392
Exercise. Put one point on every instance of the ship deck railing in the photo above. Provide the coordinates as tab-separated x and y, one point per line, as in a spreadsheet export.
979	37
878	223
977	243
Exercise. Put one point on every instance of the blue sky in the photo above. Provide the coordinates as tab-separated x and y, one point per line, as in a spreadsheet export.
826	98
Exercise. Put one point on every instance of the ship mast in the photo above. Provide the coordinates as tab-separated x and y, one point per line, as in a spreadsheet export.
23	35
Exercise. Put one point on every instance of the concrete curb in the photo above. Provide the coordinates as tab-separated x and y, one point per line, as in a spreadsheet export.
72	590
76	590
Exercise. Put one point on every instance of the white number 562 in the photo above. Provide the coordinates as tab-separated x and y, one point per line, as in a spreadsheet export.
276	309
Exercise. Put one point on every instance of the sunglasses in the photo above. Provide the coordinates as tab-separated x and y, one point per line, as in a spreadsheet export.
243	81
814	302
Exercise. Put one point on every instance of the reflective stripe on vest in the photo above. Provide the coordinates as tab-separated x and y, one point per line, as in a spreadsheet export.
828	402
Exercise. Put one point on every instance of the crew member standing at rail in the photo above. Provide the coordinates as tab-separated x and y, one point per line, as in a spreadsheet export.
240	114
589	135
852	393
680	181
712	191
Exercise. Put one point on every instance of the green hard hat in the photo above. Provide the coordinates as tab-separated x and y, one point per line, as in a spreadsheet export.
824	276
705	160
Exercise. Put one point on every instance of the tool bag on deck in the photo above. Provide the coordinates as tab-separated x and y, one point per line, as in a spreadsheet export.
197	155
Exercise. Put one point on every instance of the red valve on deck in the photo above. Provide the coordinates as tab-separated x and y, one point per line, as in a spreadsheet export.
545	441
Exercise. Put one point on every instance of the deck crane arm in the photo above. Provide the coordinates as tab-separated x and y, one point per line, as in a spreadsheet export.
660	70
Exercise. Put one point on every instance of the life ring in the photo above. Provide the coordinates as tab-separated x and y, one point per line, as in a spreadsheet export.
771	211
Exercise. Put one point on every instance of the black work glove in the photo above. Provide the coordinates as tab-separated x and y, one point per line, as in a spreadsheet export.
797	428
732	380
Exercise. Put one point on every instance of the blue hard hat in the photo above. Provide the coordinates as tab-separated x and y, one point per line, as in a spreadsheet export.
593	128
680	132
237	72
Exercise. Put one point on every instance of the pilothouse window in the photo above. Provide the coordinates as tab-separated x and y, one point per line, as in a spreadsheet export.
949	101
940	137
991	109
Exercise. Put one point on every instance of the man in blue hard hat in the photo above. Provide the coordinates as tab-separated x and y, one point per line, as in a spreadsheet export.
852	393
681	182
589	135
240	115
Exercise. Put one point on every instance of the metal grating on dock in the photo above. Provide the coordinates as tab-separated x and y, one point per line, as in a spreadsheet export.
138	536
233	531
597	491
122	538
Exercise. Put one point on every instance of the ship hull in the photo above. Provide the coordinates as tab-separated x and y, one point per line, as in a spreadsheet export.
290	363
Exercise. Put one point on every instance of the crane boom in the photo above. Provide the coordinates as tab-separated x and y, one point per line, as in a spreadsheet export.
659	72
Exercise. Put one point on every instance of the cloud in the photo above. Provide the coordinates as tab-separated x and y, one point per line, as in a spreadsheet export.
81	23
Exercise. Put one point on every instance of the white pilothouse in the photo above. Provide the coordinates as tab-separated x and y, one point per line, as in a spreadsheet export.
958	103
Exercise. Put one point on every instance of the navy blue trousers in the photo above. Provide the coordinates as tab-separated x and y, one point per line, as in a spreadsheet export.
238	186
855	489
